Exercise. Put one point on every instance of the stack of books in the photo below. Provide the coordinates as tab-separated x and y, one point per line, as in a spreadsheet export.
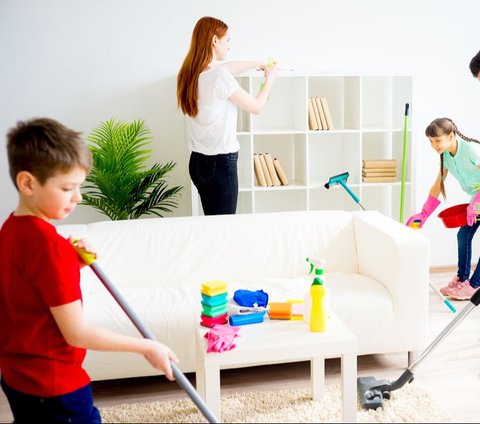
379	171
319	117
268	170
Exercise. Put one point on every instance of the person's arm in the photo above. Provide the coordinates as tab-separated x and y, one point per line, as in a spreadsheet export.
238	67
430	204
77	332
435	190
255	104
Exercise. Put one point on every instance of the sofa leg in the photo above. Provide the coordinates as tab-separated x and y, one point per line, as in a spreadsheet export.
413	355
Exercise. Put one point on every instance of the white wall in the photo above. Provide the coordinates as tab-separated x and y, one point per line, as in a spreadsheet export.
82	62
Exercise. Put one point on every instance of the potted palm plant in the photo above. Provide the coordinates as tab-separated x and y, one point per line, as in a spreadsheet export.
120	185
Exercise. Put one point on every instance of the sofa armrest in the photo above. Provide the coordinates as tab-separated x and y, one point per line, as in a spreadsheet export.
398	257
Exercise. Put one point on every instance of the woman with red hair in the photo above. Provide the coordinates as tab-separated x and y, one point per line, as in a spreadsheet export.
209	95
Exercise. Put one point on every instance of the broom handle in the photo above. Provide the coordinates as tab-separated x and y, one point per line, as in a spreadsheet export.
180	378
404	163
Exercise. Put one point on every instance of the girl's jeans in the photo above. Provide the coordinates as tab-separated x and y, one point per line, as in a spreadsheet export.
464	241
75	407
216	180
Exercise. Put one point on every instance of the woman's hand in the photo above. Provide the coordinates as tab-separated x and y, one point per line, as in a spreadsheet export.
271	72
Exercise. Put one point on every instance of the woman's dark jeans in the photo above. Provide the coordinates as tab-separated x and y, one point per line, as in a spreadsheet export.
464	242
216	179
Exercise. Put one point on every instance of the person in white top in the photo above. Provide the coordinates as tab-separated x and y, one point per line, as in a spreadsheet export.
209	95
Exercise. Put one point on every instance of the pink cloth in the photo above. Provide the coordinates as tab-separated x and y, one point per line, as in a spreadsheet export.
430	205
220	338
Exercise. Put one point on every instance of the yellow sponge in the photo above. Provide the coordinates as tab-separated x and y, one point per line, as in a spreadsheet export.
214	287
297	309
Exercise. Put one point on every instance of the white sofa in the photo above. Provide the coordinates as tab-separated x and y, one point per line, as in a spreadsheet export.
376	272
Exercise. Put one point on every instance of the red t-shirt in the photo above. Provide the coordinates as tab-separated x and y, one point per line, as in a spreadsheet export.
39	269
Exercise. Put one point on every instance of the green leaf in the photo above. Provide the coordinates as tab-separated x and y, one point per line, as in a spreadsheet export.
120	185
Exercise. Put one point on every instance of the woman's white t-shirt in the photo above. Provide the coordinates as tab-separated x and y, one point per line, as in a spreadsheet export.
214	129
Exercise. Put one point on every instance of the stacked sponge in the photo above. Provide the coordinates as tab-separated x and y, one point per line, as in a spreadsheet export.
214	303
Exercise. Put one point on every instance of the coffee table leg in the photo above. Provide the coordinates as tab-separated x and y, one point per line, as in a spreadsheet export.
317	377
212	390
349	388
200	380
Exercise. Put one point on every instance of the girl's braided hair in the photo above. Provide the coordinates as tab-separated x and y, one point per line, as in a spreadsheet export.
445	126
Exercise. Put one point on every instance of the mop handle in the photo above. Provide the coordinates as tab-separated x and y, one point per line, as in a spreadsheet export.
351	193
444	299
180	378
404	163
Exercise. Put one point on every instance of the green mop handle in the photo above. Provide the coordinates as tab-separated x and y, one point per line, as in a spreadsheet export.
180	378
404	163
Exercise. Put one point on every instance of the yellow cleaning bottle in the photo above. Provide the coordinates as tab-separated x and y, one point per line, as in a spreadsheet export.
318	311
318	317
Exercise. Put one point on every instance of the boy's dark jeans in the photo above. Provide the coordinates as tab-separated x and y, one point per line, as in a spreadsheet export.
75	407
216	179
464	242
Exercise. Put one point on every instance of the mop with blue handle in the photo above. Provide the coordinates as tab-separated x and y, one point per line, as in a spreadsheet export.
342	180
89	259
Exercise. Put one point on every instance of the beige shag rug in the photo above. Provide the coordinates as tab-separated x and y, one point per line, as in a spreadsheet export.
411	403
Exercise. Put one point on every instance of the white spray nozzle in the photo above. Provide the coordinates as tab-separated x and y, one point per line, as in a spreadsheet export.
316	264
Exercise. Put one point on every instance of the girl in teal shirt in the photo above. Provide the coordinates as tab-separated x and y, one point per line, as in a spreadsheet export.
460	157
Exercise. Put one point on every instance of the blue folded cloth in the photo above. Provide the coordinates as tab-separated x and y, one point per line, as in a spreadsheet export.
250	298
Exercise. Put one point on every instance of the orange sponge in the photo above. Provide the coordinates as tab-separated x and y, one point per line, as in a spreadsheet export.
280	310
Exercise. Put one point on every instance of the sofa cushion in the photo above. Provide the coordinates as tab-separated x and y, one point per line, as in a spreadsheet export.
168	252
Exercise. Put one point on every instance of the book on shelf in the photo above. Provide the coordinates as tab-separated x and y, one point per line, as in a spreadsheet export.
326	111
379	179
257	167
321	112
379	169
312	120
374	173
281	175
265	170
271	169
317	114
379	163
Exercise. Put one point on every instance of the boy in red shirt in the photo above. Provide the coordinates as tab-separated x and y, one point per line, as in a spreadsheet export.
43	334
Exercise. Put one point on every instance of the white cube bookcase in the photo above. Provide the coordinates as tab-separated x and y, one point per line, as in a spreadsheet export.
368	116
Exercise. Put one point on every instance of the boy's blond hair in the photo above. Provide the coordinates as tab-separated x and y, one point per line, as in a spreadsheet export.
44	147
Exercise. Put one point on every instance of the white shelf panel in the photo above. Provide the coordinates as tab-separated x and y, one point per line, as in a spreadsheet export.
279	131
339	131
394	184
292	185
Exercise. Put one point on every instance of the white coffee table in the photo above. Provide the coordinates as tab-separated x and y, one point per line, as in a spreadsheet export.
279	341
